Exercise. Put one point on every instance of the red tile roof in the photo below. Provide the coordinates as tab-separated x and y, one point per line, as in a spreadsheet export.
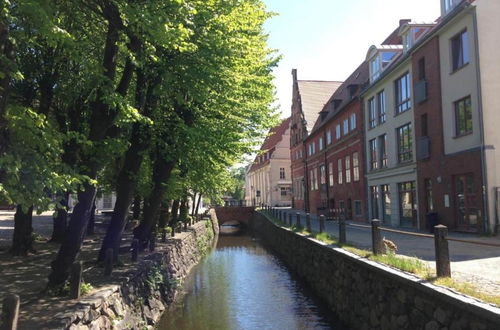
313	95
274	137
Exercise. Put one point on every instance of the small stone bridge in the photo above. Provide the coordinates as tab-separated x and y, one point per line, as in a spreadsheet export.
234	213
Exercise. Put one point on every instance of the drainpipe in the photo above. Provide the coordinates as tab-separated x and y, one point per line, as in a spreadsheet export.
326	175
485	189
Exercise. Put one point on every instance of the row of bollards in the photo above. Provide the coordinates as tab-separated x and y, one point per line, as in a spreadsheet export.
378	246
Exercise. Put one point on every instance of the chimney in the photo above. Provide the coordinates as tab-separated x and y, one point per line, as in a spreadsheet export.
294	74
404	21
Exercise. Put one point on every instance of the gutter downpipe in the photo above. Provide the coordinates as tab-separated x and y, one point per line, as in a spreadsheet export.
484	175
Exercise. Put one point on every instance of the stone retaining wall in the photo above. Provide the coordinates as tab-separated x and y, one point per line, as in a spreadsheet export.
368	295
138	302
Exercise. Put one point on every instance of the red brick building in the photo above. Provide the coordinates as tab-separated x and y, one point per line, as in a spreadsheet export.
334	152
447	184
308	99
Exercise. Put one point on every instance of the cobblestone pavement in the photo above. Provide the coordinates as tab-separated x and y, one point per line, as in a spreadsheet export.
475	264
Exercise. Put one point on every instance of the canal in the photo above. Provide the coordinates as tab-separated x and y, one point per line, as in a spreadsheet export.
242	285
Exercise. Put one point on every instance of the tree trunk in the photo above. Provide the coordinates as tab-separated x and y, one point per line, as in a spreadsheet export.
198	204
91	224
183	209
126	183
136	211
61	220
163	218
161	174
22	241
193	206
70	248
175	213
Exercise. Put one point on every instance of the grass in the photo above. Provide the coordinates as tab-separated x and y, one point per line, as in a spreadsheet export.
408	264
467	289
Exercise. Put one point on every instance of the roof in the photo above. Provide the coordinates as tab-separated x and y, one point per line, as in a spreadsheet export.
359	79
273	138
314	95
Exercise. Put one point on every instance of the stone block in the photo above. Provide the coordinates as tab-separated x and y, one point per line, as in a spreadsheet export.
432	325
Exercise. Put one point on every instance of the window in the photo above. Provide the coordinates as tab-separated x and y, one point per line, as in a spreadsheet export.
348	169
402	92
358	211
320	143
386	203
449	4
315	171
107	201
282	173
283	191
423	125
375	68
381	107
373	154
312	148
355	166
459	51
339	170
372	112
322	174
387	58
374	201
257	193
346	126
421	68
330	173
382	142
329	137
353	121
463	117
428	195
404	143
337	132
407	204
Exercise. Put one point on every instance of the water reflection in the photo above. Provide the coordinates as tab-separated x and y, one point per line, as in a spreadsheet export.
240	285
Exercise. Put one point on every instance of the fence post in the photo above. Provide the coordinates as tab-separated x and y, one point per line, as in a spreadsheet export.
298	219
75	279
108	262
321	223
377	244
135	249
308	222
10	312
164	235
342	238
442	253
290	219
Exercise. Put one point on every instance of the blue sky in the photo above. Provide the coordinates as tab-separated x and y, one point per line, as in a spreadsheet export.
328	39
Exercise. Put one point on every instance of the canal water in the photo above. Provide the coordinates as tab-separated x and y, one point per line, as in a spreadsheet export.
242	285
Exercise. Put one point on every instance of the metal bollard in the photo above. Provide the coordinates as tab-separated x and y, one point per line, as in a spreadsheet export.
164	235
135	249
321	223
75	279
442	253
308	222
377	243
10	312
298	219
342	236
108	262
290	221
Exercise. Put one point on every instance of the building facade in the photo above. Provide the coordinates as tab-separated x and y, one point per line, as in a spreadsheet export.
334	152
308	100
268	179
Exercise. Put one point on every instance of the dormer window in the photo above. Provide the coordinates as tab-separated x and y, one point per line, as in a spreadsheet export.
448	5
380	61
412	32
336	103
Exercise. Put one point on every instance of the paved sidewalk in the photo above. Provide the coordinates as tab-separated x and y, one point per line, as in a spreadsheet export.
474	263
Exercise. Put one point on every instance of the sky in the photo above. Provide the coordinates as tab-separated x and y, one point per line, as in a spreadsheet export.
328	39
